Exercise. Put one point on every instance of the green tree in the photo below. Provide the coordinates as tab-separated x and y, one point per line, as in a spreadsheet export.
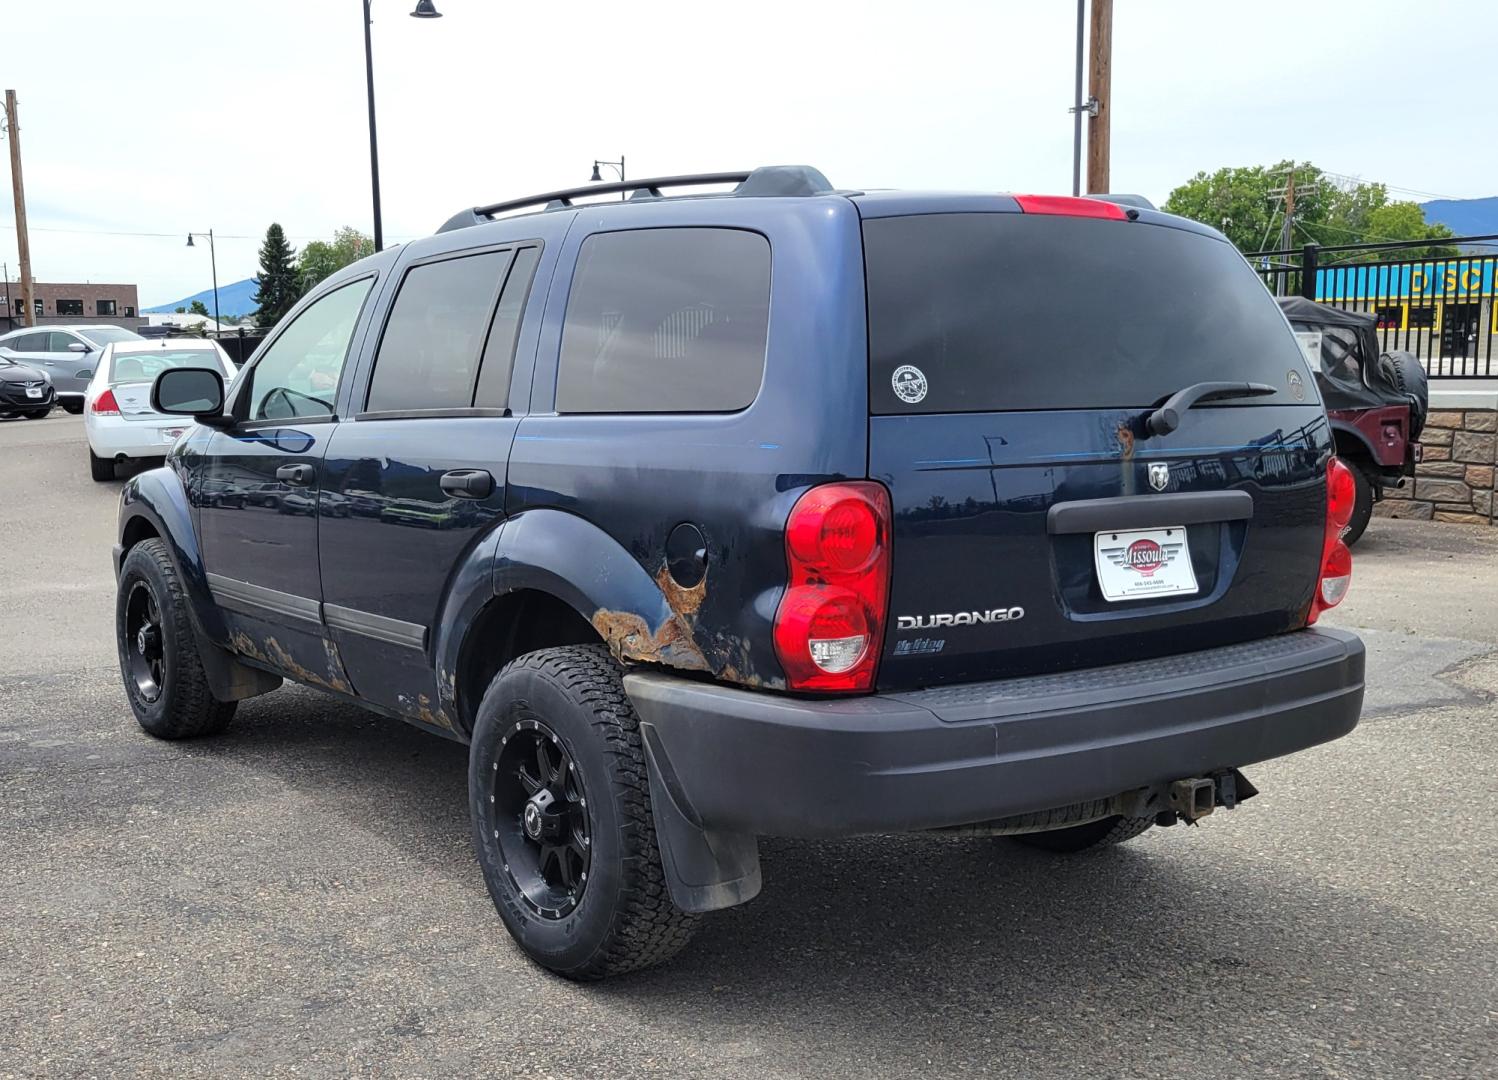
1247	204
179	311
198	308
321	259
277	286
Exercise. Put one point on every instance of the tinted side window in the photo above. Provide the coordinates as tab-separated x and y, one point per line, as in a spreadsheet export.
499	351
60	341
297	375
666	320
429	354
29	343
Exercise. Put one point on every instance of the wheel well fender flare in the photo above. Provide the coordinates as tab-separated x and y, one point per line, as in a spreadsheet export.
156	503
562	556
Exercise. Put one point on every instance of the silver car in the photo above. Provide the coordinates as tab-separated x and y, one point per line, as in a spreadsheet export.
66	353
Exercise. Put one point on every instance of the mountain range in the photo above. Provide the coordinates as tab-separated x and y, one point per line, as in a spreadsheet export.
1465	217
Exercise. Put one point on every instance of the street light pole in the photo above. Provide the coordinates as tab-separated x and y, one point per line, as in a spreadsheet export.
374	150
213	262
617	166
425	9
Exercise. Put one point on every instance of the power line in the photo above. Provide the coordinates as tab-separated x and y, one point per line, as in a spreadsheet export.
1391	187
168	236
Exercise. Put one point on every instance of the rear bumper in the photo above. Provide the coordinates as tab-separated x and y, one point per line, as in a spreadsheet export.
112	437
754	763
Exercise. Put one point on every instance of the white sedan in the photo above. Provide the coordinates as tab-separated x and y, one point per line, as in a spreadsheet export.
117	414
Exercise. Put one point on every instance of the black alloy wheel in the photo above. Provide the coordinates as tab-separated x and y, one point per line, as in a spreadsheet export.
145	642
539	818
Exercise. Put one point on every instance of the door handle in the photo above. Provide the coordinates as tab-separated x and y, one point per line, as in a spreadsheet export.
296	475
467	483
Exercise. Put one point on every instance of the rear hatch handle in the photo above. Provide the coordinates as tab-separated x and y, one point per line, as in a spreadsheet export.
1167	417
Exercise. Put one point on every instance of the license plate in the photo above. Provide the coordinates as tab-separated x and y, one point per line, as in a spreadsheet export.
169	435
1144	562
33	391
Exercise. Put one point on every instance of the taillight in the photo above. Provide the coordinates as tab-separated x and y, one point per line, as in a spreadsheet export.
106	405
1336	559
1070	206
829	627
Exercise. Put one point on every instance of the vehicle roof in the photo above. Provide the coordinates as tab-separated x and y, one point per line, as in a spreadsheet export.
176	344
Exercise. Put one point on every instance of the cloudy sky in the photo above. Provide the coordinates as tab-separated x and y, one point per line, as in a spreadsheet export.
142	121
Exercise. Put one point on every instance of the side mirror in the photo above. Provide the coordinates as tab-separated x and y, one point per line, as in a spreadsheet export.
78	346
195	392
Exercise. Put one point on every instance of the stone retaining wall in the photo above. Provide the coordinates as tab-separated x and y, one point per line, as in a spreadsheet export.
1454	482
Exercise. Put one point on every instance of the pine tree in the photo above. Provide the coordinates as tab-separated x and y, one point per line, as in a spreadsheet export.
276	286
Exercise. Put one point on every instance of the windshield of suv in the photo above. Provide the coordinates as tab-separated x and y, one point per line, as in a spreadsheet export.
109	335
144	367
975	312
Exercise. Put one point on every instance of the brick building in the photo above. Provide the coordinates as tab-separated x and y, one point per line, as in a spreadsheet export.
58	304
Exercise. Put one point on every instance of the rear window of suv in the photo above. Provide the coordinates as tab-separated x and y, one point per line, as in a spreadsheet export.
995	312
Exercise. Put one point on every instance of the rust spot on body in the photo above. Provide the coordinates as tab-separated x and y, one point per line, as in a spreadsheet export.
275	655
1125	440
629	637
681	600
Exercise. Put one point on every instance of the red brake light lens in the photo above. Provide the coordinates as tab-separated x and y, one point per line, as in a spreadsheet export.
1070	206
1341	494
106	405
829	627
1336	559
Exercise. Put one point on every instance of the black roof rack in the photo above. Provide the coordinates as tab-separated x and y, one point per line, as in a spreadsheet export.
767	180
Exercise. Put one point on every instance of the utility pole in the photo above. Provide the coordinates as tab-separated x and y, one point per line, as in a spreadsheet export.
1287	227
18	191
1078	105
1100	73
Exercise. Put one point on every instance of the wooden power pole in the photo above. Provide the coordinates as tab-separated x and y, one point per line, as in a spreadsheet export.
18	190
1100	76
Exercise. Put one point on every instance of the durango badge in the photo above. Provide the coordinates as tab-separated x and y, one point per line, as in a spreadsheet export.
958	618
909	382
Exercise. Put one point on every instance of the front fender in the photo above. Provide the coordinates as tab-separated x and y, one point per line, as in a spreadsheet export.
642	618
158	499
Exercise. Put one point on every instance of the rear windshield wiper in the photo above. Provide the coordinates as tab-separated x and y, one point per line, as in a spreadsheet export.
1167	417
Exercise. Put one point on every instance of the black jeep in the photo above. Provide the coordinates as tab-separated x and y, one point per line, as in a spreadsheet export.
779	511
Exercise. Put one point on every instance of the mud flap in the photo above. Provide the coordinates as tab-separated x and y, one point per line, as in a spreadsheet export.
228	679
706	869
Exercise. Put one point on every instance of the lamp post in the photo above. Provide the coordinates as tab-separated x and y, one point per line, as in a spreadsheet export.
425	9
213	262
617	166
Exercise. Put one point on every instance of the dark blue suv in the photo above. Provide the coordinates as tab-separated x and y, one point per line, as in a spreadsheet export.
780	510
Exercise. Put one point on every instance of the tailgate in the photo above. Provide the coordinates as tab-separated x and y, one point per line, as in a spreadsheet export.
998	537
1038	524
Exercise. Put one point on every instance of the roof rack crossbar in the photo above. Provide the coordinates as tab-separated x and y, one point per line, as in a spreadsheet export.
650	184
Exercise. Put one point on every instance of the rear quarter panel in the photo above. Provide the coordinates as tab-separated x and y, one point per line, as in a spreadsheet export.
735	475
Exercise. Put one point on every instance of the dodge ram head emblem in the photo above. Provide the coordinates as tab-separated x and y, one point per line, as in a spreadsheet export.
1159	475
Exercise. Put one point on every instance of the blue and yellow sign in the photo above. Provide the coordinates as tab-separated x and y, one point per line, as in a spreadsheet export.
1447	279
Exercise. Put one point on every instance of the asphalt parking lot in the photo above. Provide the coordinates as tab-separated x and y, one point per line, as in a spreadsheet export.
299	895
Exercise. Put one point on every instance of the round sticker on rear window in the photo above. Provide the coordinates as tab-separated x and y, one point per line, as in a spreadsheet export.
909	383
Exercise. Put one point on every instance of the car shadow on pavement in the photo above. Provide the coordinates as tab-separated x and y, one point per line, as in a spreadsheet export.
901	954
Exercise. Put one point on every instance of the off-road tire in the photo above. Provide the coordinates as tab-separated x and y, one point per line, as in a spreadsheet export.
100	468
1105	832
186	707
624	919
1362	505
